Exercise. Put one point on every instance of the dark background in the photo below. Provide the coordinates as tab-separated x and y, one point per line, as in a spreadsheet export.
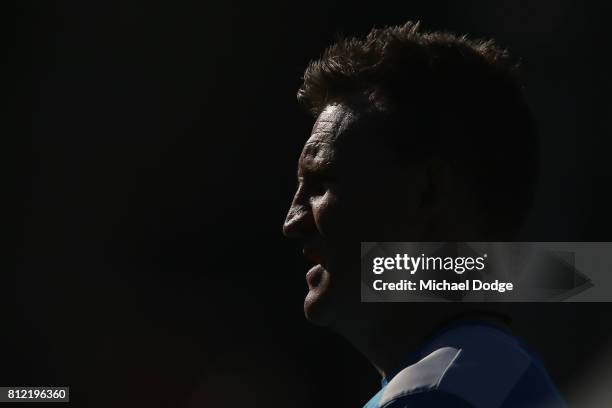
155	146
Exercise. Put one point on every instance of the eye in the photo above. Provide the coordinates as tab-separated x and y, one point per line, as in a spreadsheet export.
319	188
321	183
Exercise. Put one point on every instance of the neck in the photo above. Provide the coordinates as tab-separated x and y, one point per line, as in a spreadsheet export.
387	342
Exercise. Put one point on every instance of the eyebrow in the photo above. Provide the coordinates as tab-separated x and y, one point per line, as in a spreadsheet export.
315	170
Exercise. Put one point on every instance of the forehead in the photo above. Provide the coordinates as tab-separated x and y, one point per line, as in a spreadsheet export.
330	136
333	122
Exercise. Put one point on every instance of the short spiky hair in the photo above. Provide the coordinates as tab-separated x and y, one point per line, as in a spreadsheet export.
391	56
441	94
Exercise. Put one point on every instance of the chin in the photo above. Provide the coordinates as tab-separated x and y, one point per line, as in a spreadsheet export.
331	301
317	310
318	304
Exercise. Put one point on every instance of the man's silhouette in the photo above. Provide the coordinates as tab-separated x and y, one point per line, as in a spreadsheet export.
418	137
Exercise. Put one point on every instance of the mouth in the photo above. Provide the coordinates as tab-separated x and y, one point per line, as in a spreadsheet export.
315	274
312	254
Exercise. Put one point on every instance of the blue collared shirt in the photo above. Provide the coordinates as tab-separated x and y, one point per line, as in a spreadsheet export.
471	365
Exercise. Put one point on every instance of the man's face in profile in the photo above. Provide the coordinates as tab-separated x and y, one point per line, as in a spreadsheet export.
348	192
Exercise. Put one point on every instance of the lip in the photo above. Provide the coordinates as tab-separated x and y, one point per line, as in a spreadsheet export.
314	276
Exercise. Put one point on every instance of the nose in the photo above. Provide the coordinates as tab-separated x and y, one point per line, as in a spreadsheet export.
299	221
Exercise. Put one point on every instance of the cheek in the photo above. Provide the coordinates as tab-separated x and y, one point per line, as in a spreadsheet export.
328	213
343	213
382	209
